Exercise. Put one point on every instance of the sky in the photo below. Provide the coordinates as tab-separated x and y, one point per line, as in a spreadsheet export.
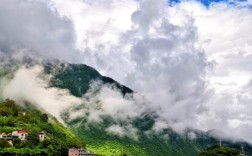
189	62
205	2
209	2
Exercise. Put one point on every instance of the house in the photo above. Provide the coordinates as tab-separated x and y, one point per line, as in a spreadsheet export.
41	136
21	134
73	152
5	136
79	152
84	152
14	134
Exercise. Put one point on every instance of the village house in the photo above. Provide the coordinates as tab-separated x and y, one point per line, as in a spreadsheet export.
5	136
79	152
21	134
41	136
73	152
84	152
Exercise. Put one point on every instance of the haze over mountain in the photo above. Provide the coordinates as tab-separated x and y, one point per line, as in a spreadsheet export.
188	64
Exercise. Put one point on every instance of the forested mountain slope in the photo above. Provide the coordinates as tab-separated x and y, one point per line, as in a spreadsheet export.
77	79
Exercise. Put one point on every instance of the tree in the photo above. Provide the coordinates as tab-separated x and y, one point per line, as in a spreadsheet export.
44	117
33	139
17	142
4	111
4	144
46	143
219	151
9	103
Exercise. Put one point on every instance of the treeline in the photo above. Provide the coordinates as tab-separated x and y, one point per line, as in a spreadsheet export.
13	117
217	150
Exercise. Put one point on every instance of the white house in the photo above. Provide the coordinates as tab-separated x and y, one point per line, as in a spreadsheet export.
21	134
42	136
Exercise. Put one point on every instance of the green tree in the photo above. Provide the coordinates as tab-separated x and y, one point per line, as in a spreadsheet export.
4	111
33	139
219	151
17	142
9	103
44	117
46	143
10	122
4	144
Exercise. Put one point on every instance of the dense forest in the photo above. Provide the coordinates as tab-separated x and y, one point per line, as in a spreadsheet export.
217	150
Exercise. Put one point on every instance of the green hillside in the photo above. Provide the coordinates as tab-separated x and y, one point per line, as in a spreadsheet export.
77	78
57	138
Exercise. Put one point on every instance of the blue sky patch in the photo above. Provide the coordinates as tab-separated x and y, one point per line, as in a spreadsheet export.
208	2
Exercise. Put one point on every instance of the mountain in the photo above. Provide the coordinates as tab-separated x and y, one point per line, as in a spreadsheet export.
54	138
77	78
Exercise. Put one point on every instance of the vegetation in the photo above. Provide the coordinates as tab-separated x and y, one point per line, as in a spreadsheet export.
220	151
57	141
167	143
77	78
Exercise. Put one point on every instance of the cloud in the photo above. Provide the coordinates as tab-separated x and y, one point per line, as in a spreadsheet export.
182	58
191	63
160	60
32	28
123	131
30	84
103	100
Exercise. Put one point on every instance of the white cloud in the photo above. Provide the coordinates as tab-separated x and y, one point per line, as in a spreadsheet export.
31	27
161	55
191	63
123	131
105	100
31	85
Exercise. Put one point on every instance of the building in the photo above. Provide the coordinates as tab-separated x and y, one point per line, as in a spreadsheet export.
73	152
21	134
79	152
41	136
5	136
84	152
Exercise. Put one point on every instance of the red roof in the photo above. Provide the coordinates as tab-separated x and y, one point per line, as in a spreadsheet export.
22	131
